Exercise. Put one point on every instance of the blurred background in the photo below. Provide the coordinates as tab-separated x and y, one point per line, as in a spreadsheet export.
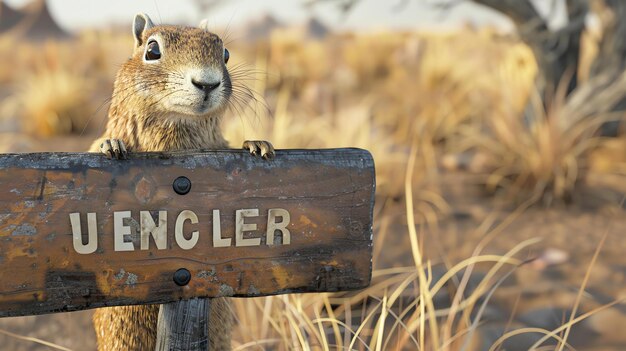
496	127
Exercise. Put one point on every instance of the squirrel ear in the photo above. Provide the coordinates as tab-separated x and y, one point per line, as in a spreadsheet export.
204	24
141	24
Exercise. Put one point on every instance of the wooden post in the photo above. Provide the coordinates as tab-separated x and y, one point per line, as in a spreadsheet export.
183	326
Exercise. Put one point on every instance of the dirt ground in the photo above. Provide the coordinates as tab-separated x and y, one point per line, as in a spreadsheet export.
540	293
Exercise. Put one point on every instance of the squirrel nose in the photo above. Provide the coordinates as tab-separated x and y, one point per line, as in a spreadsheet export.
206	87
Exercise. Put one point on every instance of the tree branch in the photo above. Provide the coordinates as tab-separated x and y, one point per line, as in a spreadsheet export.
521	12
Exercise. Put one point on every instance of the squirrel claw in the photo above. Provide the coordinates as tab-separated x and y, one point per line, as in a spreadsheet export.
114	149
260	148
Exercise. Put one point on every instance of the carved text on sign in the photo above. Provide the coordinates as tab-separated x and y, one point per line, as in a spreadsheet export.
277	221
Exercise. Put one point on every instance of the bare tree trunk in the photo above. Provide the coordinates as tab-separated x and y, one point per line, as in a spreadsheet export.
612	50
605	91
557	52
558	55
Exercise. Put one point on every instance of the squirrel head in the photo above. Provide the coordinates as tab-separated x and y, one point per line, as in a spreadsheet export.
178	71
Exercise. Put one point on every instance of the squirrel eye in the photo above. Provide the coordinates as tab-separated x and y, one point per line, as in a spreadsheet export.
153	52
226	55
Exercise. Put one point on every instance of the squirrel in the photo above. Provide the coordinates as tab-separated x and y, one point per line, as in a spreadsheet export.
171	94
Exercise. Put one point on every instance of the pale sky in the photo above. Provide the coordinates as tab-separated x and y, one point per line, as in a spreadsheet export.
369	14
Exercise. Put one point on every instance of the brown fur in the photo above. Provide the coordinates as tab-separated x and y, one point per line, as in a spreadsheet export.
138	118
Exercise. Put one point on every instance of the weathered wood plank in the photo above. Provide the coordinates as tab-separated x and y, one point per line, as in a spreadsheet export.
327	194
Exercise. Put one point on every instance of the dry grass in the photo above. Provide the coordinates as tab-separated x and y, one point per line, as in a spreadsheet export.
53	101
545	158
55	88
408	98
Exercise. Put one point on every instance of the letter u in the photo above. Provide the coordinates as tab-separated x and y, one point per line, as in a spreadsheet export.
77	234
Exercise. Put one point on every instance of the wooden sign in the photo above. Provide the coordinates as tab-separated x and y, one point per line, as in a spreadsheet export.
80	231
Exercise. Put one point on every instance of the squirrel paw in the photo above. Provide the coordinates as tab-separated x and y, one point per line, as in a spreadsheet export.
260	148
114	149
